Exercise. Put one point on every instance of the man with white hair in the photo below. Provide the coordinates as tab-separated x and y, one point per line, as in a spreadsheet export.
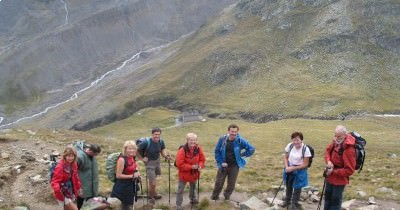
340	159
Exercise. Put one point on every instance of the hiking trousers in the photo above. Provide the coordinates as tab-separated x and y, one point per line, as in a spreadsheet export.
181	188
232	173
292	195
333	196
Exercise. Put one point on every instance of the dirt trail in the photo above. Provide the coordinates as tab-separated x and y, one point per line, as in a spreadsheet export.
18	188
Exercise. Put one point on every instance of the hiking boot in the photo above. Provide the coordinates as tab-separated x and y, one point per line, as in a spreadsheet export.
297	206
152	201
194	201
214	198
227	198
179	208
284	204
157	197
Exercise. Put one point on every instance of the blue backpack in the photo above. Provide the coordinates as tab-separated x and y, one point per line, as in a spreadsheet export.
145	140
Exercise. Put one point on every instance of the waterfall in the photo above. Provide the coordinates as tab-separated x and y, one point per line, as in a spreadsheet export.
77	93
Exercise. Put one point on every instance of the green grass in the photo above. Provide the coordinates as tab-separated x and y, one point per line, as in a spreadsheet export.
265	166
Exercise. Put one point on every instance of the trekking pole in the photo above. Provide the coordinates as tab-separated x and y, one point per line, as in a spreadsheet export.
323	189
198	186
134	191
192	198
147	190
322	195
169	182
279	188
141	189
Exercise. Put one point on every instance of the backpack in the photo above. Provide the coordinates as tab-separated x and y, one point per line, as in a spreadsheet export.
360	150
359	146
111	165
145	140
53	163
186	149
304	151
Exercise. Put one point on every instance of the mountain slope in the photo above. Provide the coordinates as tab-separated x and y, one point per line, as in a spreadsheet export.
49	49
264	60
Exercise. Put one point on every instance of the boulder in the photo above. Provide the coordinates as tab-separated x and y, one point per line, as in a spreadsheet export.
361	193
115	203
254	204
20	208
346	205
5	155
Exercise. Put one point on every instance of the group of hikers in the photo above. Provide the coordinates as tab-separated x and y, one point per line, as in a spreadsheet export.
76	175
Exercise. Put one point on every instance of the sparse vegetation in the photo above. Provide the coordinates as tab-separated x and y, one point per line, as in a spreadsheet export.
265	167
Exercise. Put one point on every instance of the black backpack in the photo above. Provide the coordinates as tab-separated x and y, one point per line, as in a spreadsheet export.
304	151
186	149
360	150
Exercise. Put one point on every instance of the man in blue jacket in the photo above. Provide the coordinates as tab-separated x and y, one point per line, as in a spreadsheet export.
229	154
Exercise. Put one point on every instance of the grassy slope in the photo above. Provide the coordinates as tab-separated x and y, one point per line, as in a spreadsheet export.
272	81
264	168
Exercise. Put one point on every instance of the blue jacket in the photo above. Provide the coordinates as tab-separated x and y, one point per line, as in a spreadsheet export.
300	178
240	144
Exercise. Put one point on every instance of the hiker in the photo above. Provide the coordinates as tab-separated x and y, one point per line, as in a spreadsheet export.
190	160
88	171
127	175
296	159
340	159
65	181
150	155
229	155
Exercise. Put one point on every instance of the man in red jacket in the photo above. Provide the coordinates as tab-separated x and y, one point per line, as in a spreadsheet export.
340	159
190	160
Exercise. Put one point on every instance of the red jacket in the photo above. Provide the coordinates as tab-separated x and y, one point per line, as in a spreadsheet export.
185	160
345	164
61	175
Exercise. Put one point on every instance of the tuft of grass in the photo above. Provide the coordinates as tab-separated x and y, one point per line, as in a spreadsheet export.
162	206
204	204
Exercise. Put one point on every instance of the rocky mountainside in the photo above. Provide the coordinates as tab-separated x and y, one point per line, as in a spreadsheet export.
260	60
53	48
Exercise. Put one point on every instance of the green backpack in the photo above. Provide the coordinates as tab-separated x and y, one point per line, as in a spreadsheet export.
111	165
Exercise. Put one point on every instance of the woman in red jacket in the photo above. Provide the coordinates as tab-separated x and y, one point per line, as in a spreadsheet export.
340	158
65	181
190	160
127	175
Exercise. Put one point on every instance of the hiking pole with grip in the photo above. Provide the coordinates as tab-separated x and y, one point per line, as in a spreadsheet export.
322	195
141	189
279	189
323	188
134	189
147	189
169	181
198	186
